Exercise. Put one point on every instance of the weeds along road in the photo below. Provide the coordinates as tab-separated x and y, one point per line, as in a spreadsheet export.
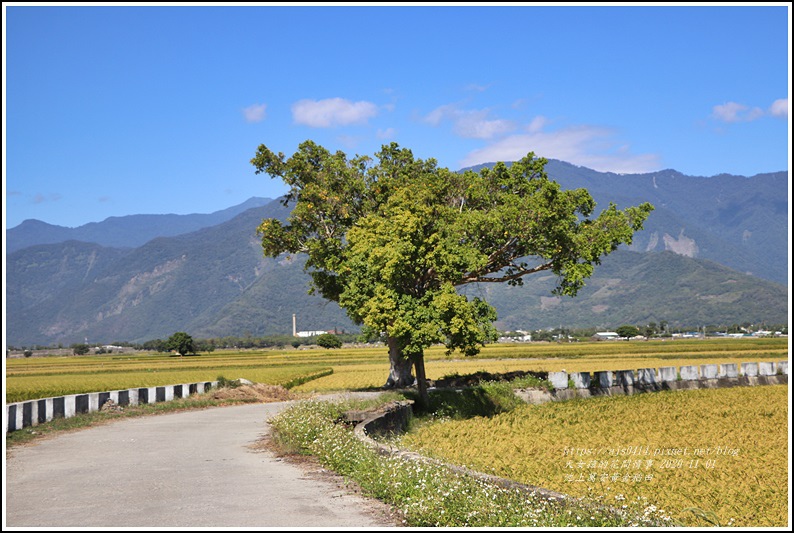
190	469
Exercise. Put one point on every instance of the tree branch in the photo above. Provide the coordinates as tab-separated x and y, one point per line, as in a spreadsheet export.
521	271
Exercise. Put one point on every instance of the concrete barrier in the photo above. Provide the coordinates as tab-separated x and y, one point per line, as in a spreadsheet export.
33	412
689	373
668	374
625	378
581	380
709	371
646	379
559	380
603	379
729	370
607	383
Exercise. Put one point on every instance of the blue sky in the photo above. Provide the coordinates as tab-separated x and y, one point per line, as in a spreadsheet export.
128	109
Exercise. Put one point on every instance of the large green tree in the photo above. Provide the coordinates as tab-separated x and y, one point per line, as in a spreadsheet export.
391	237
181	342
626	331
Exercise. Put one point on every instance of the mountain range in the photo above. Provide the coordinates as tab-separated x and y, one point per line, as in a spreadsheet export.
122	232
715	251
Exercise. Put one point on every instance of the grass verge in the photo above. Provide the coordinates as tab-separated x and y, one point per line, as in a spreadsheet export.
429	494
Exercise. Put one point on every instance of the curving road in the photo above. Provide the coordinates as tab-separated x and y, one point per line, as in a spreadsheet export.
190	469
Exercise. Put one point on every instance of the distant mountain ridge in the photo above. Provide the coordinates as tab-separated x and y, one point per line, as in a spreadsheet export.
128	231
214	281
736	221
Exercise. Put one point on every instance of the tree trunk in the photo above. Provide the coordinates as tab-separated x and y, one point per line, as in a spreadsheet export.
421	381
400	368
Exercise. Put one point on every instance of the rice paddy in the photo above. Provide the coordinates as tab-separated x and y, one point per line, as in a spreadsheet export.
361	368
721	452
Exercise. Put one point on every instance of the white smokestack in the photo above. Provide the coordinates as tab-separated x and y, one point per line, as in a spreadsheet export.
294	326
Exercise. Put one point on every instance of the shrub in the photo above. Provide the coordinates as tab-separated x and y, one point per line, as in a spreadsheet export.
329	340
181	342
224	383
486	399
80	349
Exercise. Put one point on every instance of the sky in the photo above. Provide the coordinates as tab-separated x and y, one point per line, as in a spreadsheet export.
134	109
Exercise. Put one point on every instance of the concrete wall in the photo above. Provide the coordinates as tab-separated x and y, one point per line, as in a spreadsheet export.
33	412
655	379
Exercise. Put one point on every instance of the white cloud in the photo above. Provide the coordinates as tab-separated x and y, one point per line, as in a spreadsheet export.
587	146
735	112
779	108
388	133
255	113
537	124
728	112
477	87
435	117
332	112
40	198
471	124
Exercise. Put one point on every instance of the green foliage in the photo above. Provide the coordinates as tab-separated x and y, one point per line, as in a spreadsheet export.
80	349
329	340
627	331
156	345
531	382
204	346
224	383
390	239
180	342
486	399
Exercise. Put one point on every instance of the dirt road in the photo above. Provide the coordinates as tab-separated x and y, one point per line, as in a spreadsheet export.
191	469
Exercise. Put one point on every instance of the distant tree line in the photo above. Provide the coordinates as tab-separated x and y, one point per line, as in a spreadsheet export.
662	329
249	342
650	330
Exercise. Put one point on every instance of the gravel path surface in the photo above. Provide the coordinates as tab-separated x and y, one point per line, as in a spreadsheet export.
190	469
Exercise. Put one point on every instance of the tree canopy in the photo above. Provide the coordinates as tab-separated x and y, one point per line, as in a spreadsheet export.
391	237
180	342
329	341
627	331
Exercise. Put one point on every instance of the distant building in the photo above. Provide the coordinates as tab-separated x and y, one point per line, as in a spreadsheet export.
605	336
311	333
520	338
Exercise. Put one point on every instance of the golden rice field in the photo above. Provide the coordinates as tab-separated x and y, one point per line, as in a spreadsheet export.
731	444
361	368
54	376
572	357
724	451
